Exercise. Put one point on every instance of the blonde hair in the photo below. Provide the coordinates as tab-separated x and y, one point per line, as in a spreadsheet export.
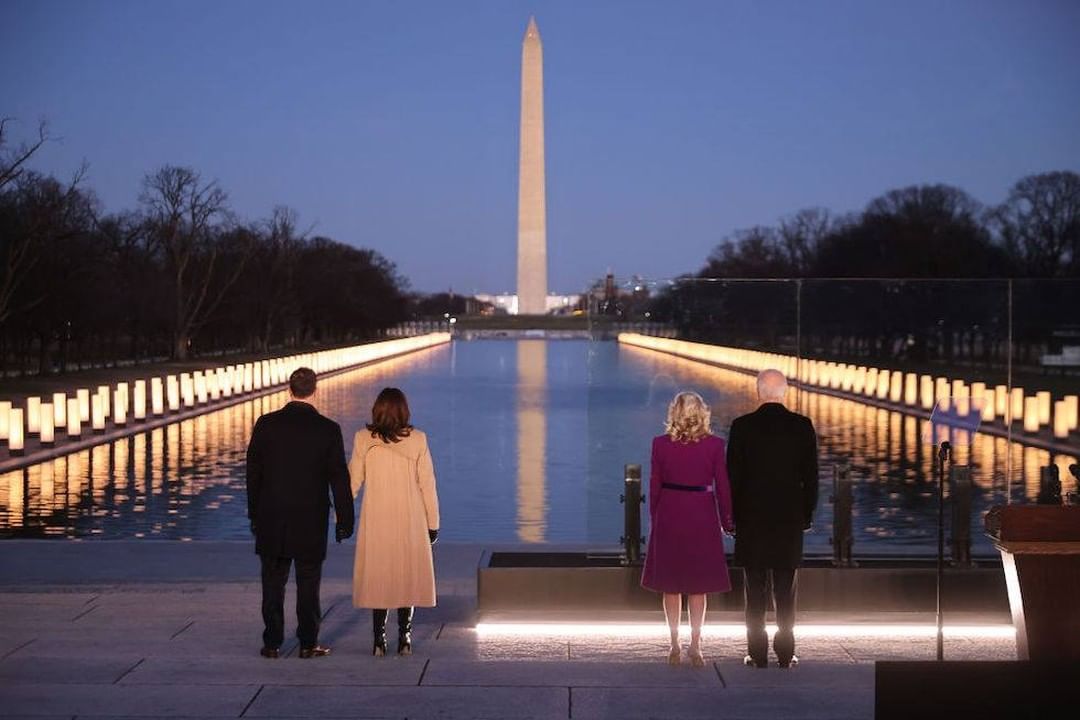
688	418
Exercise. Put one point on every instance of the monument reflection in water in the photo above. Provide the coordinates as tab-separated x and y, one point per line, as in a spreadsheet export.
529	438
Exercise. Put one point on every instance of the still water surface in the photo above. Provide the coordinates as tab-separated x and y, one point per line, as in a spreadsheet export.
529	439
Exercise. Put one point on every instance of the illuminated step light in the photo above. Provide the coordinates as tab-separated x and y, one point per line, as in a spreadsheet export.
74	418
157	396
97	414
104	392
1031	415
138	405
5	420
1043	403
83	396
1016	404
659	630
1061	420
172	392
1071	407
16	431
187	390
60	405
48	425
120	405
1001	401
33	415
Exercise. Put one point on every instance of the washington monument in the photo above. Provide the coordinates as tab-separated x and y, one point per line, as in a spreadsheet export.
532	205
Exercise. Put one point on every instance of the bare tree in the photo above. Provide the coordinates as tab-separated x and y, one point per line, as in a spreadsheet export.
46	209
1039	223
188	220
281	248
800	236
13	161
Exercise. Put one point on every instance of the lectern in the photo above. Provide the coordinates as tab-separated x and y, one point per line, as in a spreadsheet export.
1040	553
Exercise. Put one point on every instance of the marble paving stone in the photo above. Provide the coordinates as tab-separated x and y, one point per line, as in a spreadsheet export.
700	704
81	669
577	674
507	650
809	674
37	599
335	669
435	702
148	701
124	646
15	642
982	650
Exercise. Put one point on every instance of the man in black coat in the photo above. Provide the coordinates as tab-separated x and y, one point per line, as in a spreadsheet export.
295	462
773	470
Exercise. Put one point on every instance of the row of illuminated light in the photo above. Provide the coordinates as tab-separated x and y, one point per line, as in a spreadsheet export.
1037	410
156	397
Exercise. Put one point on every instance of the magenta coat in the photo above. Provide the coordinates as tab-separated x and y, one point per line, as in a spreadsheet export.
689	503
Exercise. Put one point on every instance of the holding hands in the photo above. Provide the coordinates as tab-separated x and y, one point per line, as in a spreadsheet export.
342	532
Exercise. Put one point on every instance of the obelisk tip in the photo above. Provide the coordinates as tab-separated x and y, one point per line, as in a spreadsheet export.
532	31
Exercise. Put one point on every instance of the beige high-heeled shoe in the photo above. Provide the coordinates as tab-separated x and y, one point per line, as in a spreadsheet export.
673	657
696	658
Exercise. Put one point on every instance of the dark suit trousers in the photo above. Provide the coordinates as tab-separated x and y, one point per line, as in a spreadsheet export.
759	584
275	575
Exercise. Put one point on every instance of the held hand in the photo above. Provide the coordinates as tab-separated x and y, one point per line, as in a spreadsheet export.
808	526
433	535
342	532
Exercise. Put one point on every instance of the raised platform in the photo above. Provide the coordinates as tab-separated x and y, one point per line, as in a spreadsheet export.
523	583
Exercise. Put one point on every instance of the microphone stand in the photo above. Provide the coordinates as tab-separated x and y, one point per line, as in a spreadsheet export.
943	455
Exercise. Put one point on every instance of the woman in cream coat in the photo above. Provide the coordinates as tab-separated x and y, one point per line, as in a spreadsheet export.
399	519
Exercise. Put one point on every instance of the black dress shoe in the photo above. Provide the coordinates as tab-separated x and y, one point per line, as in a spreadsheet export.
313	652
785	664
269	652
749	661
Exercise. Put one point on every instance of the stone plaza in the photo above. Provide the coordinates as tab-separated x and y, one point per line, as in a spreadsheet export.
164	629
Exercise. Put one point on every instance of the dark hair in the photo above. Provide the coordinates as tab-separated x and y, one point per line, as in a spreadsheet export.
390	416
302	383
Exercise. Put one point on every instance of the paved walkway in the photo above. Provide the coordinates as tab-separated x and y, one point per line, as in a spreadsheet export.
166	629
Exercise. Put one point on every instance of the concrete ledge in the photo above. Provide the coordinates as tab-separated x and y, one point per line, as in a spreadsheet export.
592	582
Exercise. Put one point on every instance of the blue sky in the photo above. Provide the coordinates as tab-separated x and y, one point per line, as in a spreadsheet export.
392	124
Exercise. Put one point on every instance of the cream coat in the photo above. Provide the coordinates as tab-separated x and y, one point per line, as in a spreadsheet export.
393	565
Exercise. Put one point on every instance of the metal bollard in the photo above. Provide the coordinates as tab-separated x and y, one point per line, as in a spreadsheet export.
1049	486
632	501
842	500
960	496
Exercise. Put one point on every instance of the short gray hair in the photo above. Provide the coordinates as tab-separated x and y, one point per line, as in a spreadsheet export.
771	385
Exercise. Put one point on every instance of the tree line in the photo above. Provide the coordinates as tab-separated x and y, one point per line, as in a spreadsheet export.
178	276
919	276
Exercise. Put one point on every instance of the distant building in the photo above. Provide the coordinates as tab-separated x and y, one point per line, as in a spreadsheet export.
557	304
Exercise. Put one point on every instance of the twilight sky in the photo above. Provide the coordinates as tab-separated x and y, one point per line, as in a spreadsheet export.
392	124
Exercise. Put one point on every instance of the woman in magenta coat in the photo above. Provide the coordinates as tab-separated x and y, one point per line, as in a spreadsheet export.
690	508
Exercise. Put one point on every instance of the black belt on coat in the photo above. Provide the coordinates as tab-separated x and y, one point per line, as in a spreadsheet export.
686	488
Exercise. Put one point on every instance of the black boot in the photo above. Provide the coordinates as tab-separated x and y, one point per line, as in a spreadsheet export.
404	631
378	625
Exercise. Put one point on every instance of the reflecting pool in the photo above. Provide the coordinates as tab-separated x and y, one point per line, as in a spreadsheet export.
529	439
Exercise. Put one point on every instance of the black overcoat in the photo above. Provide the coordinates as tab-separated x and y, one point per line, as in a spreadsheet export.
295	462
773	470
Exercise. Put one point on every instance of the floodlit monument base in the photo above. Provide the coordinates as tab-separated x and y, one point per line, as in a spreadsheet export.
586	584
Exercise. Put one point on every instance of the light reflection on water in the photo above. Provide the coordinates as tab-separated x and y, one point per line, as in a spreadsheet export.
529	439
